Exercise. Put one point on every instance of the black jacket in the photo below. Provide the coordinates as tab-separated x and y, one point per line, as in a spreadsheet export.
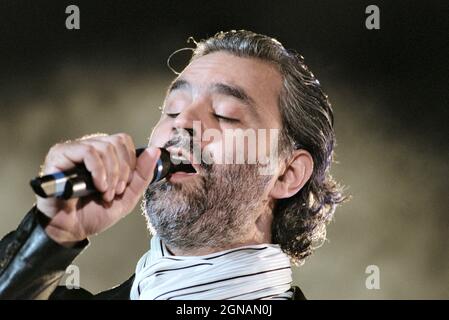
32	265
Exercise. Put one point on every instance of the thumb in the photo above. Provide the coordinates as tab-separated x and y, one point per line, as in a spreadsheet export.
142	175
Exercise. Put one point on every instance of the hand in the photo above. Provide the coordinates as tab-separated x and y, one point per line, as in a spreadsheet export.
117	174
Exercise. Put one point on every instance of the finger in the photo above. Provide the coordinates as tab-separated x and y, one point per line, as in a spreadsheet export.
110	159
126	156
66	155
124	152
142	176
128	142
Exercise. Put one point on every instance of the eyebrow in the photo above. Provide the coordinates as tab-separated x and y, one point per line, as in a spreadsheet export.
233	91
178	84
221	88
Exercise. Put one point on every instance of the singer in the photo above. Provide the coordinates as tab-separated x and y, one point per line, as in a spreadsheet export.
227	230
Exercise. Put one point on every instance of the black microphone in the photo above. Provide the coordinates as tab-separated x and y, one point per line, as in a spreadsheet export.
77	182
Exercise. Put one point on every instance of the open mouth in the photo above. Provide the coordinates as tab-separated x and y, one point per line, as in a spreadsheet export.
182	168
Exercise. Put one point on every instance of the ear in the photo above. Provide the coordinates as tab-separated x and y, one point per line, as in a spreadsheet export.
297	172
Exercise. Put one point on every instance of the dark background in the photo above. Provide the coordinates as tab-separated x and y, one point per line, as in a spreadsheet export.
389	88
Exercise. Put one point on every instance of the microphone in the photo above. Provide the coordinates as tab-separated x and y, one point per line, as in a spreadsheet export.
77	182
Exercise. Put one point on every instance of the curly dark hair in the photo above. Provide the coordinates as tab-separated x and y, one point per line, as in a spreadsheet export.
299	223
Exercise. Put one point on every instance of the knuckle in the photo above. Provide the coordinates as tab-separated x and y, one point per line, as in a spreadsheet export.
90	149
98	166
55	148
110	147
122	137
54	152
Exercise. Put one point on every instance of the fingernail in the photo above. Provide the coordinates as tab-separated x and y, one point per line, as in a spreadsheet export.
111	195
108	195
121	187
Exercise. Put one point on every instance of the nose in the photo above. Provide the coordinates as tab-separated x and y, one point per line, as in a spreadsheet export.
189	120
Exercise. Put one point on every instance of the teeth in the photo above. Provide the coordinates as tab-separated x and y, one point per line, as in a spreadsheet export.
179	158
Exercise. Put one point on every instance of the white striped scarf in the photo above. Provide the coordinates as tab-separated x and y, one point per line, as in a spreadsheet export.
245	273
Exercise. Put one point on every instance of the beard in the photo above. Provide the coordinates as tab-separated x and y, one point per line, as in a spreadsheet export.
215	208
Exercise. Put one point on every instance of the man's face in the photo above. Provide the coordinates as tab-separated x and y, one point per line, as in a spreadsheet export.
215	95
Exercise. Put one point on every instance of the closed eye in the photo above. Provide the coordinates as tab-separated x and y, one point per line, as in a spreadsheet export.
225	119
219	117
172	115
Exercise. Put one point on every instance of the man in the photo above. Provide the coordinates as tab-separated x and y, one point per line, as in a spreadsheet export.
227	231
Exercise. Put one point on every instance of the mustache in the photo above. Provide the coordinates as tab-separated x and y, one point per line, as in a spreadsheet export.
186	144
180	142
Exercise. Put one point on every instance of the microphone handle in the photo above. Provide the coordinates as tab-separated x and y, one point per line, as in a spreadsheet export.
77	182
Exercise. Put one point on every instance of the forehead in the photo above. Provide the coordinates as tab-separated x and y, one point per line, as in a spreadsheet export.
260	79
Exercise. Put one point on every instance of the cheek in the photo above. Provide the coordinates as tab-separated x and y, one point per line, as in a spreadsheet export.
268	144
249	146
230	148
